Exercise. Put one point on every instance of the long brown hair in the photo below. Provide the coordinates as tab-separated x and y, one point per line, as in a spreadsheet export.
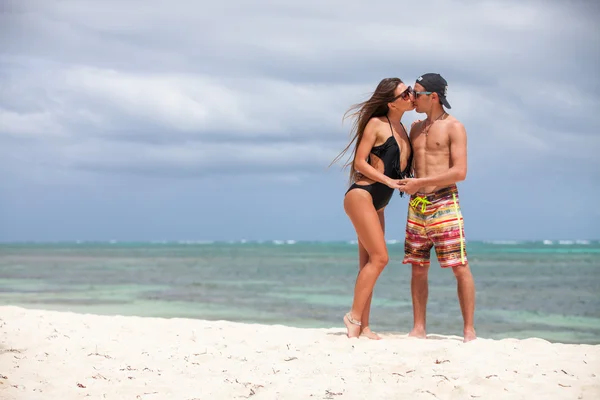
376	106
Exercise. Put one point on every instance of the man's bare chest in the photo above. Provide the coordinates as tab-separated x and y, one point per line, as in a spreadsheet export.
435	140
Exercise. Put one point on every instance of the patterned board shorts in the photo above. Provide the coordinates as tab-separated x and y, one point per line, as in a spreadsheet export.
435	220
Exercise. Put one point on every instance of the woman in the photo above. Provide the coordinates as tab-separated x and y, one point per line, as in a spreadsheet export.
381	157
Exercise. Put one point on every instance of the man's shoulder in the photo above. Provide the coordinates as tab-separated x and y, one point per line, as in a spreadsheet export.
416	126
454	125
416	123
452	120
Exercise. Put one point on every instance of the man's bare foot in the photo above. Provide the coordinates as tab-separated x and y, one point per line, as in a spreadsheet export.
418	333
352	325
469	335
366	331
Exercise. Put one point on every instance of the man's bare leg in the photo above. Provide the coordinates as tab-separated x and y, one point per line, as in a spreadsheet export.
466	297
419	288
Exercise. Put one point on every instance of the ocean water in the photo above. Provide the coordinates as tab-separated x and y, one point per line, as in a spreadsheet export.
544	289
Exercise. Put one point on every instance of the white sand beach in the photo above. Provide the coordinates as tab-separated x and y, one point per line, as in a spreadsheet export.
61	355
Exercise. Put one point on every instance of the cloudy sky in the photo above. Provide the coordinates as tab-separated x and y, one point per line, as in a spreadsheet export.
196	120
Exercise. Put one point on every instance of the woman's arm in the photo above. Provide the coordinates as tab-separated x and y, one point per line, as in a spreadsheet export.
362	152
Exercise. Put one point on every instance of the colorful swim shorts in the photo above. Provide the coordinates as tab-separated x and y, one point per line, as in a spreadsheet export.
435	219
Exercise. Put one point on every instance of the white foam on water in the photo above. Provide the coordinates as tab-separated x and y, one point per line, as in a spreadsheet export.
567	242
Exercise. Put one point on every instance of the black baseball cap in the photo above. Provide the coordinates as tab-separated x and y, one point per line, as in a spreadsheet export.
435	83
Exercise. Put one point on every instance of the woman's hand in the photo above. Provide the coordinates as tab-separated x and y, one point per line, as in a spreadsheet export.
409	185
393	183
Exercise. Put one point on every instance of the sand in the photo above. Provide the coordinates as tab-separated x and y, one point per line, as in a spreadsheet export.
62	355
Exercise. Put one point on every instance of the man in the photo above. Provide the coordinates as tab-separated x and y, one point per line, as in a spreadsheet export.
434	217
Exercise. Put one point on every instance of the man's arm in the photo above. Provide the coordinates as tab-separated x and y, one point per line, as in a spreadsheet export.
458	159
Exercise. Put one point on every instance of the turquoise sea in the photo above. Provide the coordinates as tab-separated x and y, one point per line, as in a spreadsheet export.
543	289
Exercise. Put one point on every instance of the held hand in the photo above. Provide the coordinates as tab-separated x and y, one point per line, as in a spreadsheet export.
409	186
394	184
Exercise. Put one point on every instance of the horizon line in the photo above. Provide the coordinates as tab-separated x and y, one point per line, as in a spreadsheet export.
281	241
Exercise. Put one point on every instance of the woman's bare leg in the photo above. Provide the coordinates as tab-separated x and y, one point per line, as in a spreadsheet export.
363	257
359	208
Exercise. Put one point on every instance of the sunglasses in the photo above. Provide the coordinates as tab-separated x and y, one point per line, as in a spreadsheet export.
404	95
417	94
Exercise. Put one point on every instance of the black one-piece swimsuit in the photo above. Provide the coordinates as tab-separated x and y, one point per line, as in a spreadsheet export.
389	153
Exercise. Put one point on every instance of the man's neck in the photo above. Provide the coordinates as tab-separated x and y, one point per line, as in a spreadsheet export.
434	114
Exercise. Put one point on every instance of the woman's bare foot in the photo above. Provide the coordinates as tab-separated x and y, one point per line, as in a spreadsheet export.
352	325
366	331
418	333
469	335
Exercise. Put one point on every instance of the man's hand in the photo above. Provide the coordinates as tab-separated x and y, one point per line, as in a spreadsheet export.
394	184
410	185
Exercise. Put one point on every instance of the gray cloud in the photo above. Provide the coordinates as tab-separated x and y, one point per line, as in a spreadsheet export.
195	108
95	85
